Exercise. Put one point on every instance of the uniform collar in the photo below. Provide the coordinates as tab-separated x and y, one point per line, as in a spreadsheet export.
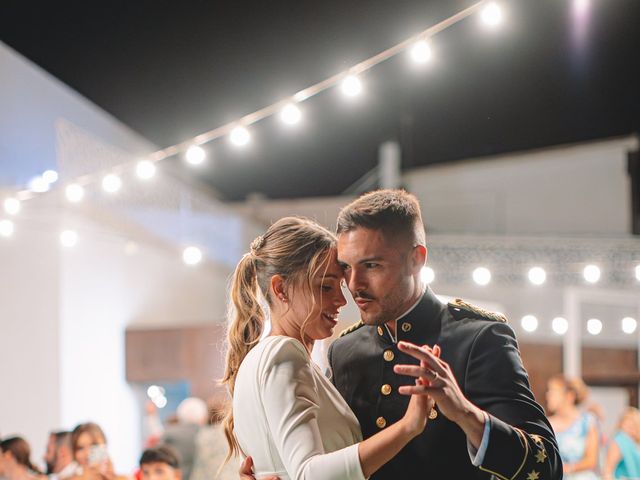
420	321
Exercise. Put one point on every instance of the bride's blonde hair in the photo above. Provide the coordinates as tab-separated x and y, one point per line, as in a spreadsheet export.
295	248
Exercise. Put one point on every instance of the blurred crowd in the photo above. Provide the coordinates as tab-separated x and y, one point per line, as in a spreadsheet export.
191	446
587	451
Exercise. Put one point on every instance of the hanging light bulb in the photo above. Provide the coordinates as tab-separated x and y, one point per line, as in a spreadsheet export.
351	86
591	273
145	169
12	206
529	323
560	325
537	275
427	275
594	326
420	52
492	14
195	155
240	136
6	228
111	183
290	114
192	255
482	276
74	193
50	176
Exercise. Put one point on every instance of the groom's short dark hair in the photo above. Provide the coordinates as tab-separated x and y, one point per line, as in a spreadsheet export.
392	211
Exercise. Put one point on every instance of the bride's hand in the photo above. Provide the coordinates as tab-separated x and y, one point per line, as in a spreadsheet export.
415	418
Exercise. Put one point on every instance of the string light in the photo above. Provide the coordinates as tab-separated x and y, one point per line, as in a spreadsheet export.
240	136
12	206
482	276
111	183
491	14
629	325
145	169
38	185
529	323
427	275
68	238
420	52
74	193
195	155
591	273
537	275
6	228
50	176
560	325
351	86
594	326
291	114
192	255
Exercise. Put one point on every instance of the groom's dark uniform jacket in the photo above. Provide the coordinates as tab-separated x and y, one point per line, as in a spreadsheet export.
484	357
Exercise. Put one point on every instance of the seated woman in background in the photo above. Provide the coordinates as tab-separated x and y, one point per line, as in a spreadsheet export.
623	456
575	430
15	460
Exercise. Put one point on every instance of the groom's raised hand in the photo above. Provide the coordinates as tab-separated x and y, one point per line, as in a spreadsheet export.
246	471
437	380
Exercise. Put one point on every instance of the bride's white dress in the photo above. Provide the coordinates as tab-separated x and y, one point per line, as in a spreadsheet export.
290	418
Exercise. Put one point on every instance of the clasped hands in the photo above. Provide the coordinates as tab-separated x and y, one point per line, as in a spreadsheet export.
435	379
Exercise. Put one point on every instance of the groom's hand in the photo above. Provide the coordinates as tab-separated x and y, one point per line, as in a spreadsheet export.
438	382
246	471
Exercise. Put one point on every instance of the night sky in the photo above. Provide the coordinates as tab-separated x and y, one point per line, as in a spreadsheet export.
557	71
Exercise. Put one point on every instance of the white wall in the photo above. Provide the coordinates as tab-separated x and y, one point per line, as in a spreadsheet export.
581	189
63	313
29	337
103	292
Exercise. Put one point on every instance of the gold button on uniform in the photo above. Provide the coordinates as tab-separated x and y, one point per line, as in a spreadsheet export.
385	389
406	326
388	355
380	331
381	422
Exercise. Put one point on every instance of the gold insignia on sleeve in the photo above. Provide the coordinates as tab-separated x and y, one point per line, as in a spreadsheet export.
536	438
533	475
352	328
461	309
541	456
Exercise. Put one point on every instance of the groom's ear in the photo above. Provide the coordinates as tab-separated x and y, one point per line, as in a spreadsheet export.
419	258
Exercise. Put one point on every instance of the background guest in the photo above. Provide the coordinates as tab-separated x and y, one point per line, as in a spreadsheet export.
211	448
192	414
623	455
59	456
160	463
16	459
575	430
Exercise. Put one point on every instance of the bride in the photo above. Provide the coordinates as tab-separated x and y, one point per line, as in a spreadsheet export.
286	414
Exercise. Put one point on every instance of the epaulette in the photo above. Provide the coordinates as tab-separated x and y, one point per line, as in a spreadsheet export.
352	328
461	309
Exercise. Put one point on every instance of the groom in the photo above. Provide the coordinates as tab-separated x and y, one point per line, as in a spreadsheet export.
487	423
